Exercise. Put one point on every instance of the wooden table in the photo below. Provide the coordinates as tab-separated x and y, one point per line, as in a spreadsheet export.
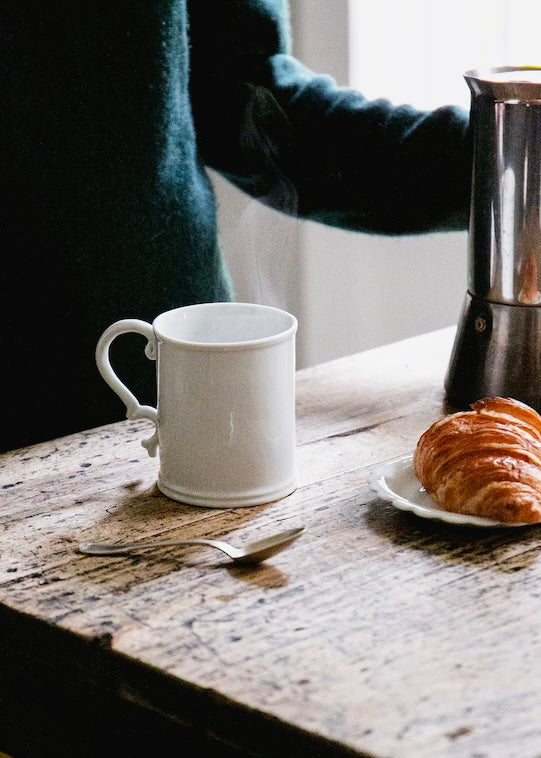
378	633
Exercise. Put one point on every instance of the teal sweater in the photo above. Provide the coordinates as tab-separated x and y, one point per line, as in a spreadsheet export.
110	113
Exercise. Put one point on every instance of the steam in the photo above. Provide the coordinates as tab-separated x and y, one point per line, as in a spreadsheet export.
261	245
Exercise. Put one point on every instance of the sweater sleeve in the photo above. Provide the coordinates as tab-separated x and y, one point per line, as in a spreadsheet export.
307	147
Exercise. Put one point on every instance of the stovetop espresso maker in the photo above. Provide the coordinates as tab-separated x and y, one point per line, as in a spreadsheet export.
497	348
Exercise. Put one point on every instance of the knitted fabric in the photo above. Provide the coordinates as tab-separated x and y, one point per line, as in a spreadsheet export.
111	111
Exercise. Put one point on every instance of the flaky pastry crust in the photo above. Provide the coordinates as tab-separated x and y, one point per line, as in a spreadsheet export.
485	462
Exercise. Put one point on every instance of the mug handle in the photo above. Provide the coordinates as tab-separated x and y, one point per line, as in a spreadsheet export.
133	408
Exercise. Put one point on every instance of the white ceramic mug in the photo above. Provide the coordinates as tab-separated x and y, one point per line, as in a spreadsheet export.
225	417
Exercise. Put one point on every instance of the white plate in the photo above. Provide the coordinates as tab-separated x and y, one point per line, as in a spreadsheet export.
396	482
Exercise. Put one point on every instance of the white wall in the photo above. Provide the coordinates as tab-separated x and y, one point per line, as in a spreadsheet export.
349	291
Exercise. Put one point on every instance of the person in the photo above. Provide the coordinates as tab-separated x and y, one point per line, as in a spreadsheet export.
111	113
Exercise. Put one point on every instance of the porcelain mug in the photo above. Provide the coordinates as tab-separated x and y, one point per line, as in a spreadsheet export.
225	416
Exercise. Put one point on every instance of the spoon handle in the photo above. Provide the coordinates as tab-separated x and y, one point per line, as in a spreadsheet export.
97	548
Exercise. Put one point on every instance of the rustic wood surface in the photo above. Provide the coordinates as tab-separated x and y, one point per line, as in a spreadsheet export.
377	633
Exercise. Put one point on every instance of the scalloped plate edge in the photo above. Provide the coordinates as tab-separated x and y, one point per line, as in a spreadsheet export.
395	482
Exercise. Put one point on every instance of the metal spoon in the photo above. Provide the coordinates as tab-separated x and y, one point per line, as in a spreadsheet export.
253	552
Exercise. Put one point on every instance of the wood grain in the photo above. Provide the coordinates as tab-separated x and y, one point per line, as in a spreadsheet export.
378	633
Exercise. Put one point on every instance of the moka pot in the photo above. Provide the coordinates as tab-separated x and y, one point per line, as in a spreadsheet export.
497	349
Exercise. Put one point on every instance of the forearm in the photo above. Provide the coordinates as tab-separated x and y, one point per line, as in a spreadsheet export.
308	147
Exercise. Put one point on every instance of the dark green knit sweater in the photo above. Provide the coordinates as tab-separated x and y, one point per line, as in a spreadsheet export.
110	111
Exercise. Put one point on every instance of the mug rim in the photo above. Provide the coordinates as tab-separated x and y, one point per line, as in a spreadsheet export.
246	344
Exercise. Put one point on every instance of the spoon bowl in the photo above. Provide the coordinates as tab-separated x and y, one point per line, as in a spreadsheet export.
253	552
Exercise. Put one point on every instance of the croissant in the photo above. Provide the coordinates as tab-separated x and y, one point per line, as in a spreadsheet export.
484	462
